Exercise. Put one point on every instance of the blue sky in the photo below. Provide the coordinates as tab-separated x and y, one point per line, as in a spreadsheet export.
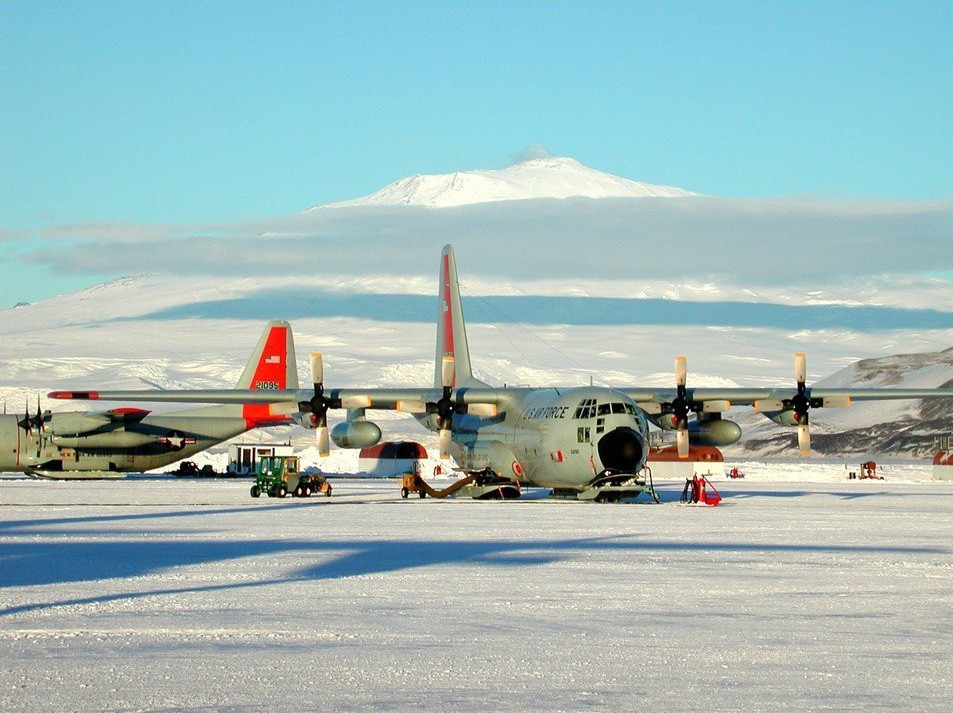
192	113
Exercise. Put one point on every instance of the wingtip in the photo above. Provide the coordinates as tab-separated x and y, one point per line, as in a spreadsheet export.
80	395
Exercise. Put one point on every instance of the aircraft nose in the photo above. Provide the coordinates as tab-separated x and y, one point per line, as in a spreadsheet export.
623	450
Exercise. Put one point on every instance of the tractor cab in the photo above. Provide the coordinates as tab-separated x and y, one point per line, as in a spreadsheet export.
279	475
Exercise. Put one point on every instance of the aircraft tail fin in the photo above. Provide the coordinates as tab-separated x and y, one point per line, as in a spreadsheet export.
272	365
451	328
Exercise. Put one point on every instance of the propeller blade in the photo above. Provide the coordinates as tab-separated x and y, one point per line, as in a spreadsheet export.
804	438
445	438
324	441
681	371
800	367
317	368
447	372
681	440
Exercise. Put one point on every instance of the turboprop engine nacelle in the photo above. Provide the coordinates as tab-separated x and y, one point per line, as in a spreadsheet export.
356	434
713	432
783	418
119	440
74	423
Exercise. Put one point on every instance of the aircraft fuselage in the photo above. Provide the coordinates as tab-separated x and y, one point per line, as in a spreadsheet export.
150	443
553	438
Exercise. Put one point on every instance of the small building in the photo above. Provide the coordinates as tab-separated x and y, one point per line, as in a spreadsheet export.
243	457
943	465
391	458
665	462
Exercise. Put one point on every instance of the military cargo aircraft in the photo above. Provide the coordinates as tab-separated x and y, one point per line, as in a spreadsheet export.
87	445
587	442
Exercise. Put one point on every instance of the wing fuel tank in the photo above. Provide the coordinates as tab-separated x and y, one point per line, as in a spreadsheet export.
715	432
356	434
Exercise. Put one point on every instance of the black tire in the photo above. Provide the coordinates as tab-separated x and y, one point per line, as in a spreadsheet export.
423	494
255	491
281	491
307	491
328	491
404	493
298	492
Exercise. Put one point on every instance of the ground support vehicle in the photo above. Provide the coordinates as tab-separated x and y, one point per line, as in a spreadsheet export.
279	475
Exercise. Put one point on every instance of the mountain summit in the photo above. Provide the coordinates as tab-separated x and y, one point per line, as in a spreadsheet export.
548	177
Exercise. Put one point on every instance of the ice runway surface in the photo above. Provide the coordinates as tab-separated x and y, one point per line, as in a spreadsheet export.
163	594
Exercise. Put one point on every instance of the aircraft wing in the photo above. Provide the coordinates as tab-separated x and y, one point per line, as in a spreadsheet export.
374	398
750	397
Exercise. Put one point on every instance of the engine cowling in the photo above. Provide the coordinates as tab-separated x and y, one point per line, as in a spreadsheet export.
119	440
785	417
356	434
75	423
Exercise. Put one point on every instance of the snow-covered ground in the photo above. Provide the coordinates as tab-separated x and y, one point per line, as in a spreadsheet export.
802	591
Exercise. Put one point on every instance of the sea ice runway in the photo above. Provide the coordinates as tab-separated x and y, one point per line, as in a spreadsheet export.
160	594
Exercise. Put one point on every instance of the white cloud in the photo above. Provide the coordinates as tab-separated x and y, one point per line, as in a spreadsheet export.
756	242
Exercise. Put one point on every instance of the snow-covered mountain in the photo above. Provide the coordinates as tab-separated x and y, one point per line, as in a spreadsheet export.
550	177
869	429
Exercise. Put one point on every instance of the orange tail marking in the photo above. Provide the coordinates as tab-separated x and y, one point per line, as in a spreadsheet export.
270	375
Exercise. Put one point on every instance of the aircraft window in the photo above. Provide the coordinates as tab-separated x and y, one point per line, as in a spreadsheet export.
630	409
585	409
618	408
604	409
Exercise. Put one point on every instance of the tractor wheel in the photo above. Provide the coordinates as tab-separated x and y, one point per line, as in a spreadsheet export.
404	493
423	494
281	491
298	492
306	491
255	491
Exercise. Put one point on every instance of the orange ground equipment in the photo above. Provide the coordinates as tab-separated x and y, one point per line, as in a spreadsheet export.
413	483
699	490
868	471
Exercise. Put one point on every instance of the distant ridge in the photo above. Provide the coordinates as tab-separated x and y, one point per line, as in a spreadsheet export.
549	177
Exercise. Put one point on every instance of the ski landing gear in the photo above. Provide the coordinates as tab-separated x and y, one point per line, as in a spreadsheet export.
487	485
612	486
483	485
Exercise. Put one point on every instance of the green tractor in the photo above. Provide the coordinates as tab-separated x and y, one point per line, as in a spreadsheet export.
280	475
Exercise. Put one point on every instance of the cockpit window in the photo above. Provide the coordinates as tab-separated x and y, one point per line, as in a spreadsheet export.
604	409
618	408
630	409
585	409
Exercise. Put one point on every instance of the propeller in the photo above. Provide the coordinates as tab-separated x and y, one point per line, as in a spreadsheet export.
680	406
444	407
28	422
801	404
319	404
